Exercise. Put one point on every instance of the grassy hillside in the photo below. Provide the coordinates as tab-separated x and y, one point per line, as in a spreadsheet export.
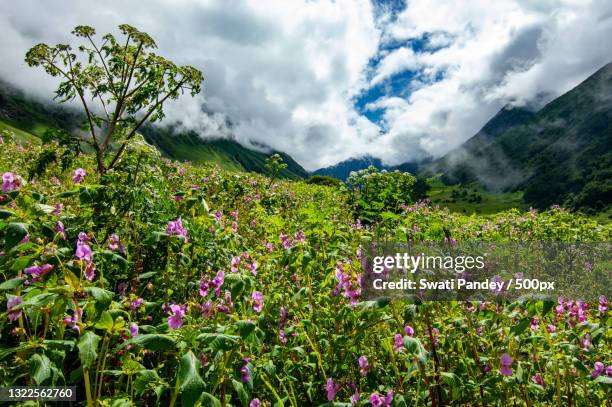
28	118
228	154
473	198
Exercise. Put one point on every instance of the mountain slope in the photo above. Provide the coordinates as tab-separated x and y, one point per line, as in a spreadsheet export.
229	154
344	168
26	116
559	155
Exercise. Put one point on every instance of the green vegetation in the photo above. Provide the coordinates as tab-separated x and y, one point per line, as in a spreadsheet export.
165	283
472	198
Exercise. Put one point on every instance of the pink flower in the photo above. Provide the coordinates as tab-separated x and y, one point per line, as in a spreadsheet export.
217	282
58	210
245	372
331	389
398	342
255	403
83	251
59	228
364	366
134	305
505	362
13	307
133	329
78	176
253	267
38	271
598	369
537	379
72	322
175	228
258	303
377	400
90	271
10	182
113	242
603	304
175	320
409	330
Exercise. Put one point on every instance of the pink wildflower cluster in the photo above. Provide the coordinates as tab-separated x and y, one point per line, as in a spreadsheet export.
175	228
244	260
78	176
85	254
352	290
575	312
38	271
288	242
11	182
215	284
377	400
176	312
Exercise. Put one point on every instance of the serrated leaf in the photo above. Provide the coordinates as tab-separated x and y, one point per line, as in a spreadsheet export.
210	400
243	396
40	368
15	232
88	349
41	300
603	380
105	322
12	283
246	328
219	342
191	384
102	296
156	342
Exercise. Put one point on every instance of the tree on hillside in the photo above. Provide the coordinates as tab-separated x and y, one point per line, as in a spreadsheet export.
120	84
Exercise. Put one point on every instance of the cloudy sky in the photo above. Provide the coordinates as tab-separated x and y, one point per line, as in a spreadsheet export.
328	80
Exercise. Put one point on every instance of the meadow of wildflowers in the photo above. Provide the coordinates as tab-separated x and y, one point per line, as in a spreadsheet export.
163	283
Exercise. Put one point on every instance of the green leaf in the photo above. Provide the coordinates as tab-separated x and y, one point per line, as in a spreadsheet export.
246	328
4	214
88	349
105	322
146	379
155	342
66	194
210	400
102	296
243	396
15	232
41	300
520	327
219	342
147	275
191	384
12	283
603	380
40	368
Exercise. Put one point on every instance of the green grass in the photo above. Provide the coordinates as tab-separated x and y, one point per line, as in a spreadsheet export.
465	199
21	135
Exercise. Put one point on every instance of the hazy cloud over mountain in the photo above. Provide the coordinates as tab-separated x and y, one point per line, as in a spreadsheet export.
327	80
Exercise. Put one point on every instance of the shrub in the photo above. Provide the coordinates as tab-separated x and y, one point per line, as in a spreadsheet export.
373	192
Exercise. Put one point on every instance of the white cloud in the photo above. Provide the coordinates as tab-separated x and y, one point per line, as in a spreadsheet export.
493	53
286	73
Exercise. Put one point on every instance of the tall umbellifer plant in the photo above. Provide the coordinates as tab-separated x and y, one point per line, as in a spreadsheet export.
120	84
